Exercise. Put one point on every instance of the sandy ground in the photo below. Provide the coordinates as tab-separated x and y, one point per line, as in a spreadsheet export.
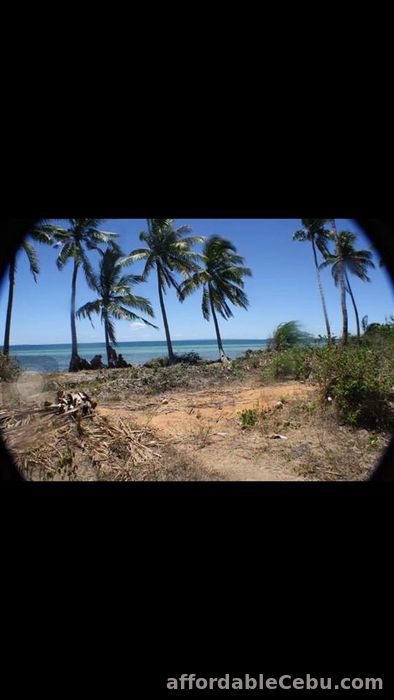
206	426
203	428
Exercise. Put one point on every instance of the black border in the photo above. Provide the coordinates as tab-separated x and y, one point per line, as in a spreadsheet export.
151	579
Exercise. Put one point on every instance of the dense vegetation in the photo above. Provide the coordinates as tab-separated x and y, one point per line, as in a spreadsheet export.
357	378
9	368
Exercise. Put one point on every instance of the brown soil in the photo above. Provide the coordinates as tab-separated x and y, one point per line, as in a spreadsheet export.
199	436
206	425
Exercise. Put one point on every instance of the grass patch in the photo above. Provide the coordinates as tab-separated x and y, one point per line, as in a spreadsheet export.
249	418
10	369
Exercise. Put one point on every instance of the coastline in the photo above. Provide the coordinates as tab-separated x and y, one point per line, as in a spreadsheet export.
56	358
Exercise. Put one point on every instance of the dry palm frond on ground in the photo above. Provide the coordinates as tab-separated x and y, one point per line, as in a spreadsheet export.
50	445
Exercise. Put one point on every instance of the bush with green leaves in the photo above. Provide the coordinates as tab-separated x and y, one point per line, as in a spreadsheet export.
188	358
358	380
249	418
9	368
288	335
381	329
293	363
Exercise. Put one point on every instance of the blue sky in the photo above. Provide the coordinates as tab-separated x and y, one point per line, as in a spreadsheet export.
283	288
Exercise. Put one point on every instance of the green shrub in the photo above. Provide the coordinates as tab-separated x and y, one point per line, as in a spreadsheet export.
9	368
157	362
188	358
288	335
359	382
249	418
295	363
381	329
358	378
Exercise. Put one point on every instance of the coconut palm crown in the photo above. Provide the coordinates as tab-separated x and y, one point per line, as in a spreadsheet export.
115	299
348	259
41	237
313	231
74	242
168	251
221	279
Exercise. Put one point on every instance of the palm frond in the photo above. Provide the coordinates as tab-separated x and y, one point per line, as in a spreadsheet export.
101	236
144	237
192	283
91	307
314	230
127	280
47	233
88	270
66	252
346	257
44	234
300	236
32	258
120	312
205	305
191	240
136	302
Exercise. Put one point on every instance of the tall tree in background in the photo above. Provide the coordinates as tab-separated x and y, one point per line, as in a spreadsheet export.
115	299
222	283
41	237
74	242
348	259
313	231
167	251
341	282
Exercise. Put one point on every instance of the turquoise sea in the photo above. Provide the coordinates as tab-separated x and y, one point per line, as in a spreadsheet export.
56	358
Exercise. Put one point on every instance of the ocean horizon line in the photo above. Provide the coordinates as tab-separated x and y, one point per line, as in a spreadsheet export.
138	342
53	357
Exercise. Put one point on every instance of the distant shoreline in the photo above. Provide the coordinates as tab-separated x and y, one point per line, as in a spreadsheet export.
47	358
139	342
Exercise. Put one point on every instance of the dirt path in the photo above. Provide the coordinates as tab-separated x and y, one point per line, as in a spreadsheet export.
205	426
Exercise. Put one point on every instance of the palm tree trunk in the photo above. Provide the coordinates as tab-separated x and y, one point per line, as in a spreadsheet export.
107	344
323	301
11	275
74	343
344	309
223	356
343	290
354	305
171	356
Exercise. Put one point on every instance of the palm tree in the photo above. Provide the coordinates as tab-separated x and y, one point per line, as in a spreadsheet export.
114	295
347	258
222	282
340	280
42	237
81	235
313	231
167	251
